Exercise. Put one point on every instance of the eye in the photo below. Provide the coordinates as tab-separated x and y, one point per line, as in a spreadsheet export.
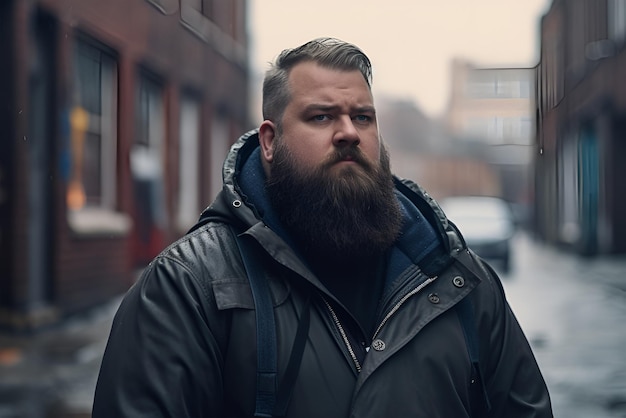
320	118
362	118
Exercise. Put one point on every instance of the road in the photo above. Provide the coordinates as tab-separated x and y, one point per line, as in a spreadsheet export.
573	311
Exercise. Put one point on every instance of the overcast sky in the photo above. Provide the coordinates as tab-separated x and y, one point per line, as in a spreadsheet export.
410	42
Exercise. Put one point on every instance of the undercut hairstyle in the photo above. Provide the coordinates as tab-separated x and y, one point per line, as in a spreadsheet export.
327	52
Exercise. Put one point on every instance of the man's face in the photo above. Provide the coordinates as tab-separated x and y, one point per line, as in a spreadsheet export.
330	120
327	180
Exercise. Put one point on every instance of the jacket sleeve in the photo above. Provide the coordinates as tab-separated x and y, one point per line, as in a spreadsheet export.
161	359
514	383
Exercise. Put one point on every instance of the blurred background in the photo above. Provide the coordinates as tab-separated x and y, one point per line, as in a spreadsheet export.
115	118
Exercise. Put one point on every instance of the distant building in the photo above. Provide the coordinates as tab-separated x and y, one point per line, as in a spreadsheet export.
115	118
581	126
406	128
490	115
421	151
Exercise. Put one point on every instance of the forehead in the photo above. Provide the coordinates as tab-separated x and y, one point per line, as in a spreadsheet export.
311	81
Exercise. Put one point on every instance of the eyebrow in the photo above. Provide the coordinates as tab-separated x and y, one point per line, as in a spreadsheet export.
330	108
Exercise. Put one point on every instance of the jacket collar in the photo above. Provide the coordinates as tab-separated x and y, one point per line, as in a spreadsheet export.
251	180
419	242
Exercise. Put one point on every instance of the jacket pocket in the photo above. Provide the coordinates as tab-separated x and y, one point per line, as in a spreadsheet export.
236	293
233	293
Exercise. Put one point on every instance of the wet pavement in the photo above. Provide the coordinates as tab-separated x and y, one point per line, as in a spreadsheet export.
572	310
53	373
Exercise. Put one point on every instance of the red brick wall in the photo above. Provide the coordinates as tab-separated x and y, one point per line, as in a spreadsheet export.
88	270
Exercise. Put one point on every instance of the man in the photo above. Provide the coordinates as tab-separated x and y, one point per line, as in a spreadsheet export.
367	262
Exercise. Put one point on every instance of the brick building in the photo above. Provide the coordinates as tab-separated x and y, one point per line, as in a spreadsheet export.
581	126
115	119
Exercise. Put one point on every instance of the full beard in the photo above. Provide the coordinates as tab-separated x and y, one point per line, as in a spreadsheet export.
348	215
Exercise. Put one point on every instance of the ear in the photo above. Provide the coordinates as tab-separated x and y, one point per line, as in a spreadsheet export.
267	134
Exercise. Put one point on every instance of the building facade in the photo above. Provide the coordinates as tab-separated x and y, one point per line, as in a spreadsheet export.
581	126
490	115
116	117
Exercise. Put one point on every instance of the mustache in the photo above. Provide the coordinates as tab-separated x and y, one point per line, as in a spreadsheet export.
349	153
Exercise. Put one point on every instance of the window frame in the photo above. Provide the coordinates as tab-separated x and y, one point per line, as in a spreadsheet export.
189	161
98	216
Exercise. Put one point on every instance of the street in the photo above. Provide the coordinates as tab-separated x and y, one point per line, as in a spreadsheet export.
573	311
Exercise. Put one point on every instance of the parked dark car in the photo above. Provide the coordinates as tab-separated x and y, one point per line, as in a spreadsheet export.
487	224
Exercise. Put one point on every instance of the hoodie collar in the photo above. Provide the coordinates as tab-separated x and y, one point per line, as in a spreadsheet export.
418	242
251	180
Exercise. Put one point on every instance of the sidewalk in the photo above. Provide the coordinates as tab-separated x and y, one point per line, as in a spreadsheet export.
573	309
53	372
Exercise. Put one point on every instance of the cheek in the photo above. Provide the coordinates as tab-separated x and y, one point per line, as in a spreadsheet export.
373	152
309	157
309	152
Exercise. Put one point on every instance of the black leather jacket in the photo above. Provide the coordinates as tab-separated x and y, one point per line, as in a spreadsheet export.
183	341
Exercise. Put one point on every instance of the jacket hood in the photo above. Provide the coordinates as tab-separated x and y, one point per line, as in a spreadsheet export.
228	205
231	204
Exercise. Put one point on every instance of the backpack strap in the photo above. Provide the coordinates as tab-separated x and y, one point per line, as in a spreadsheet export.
295	359
265	332
267	370
479	401
272	400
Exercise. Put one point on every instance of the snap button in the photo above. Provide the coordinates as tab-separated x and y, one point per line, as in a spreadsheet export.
458	281
378	345
236	203
433	297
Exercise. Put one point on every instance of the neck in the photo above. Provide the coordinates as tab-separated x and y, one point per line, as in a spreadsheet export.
343	268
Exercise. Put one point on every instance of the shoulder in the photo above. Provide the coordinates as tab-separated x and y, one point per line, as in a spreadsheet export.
195	261
209	245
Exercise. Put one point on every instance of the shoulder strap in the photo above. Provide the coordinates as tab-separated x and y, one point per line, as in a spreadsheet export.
266	394
480	404
265	332
271	400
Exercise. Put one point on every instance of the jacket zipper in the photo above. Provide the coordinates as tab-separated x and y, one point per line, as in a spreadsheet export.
401	302
357	364
383	322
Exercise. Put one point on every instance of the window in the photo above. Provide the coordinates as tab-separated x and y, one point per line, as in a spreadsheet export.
188	166
526	130
476	127
499	84
149	115
204	7
495	130
219	149
91	191
617	20
512	85
93	129
147	154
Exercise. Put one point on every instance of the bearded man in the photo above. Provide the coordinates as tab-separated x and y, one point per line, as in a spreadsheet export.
365	276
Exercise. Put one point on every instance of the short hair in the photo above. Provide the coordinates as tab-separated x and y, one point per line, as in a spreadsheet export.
328	52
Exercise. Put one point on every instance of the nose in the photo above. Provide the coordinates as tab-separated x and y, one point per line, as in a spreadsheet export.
346	133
